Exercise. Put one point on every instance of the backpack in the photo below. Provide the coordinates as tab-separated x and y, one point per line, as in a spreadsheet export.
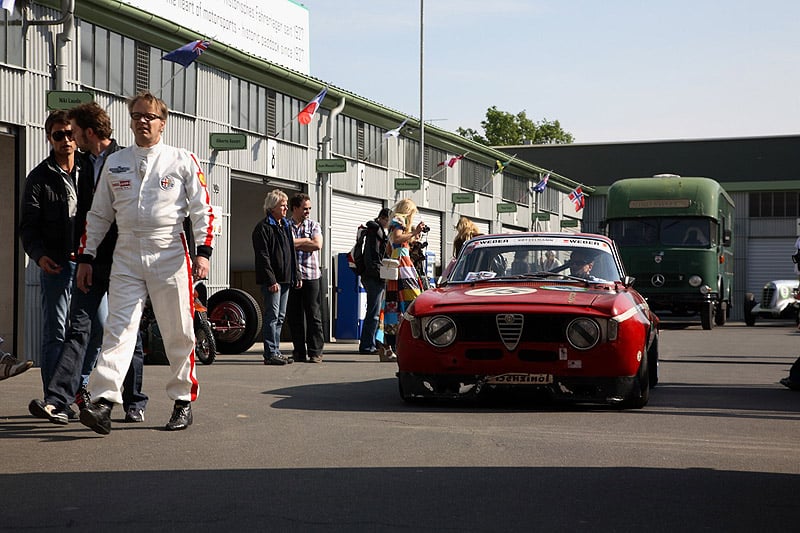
355	258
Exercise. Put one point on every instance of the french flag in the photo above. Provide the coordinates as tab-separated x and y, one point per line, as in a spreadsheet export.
308	111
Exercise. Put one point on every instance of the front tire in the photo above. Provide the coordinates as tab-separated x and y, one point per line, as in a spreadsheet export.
721	313
749	304
707	315
640	395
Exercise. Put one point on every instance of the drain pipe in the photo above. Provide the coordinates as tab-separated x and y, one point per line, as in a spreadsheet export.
62	38
325	215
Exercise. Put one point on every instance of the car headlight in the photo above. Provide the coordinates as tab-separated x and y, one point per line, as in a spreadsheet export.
705	289
440	331
695	281
583	333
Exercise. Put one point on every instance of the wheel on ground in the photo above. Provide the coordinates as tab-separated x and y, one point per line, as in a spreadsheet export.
749	304
235	320
652	363
640	394
205	348
721	313
707	315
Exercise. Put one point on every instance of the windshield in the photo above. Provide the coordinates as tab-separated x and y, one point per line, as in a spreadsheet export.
687	232
526	257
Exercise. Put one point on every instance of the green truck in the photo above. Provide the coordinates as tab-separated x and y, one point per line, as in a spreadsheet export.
675	235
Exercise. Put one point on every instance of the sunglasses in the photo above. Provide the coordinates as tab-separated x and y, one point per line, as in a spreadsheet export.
148	117
59	135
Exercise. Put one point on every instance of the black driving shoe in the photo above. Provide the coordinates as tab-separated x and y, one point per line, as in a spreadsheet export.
181	417
97	416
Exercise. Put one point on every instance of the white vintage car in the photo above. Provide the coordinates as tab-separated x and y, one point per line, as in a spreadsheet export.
778	300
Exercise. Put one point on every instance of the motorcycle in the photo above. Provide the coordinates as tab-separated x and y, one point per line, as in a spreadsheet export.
228	322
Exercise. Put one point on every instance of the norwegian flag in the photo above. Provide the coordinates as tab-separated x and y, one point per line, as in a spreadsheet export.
577	198
451	162
186	54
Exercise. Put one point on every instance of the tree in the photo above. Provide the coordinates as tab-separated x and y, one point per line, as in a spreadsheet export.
504	129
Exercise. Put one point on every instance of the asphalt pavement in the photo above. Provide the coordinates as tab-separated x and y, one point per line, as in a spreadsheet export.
331	447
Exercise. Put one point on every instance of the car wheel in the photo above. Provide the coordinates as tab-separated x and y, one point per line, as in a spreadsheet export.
235	319
652	363
205	349
407	397
640	394
749	304
707	315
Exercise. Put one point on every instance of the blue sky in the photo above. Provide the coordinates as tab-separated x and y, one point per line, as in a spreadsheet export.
608	70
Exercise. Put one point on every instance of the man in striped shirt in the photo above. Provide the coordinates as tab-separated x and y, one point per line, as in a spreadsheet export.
304	313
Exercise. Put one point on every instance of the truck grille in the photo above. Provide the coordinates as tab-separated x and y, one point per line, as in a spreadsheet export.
766	297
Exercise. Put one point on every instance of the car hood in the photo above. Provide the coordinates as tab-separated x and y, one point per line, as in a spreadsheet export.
498	294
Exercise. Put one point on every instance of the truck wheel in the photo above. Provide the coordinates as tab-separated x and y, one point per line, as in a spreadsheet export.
235	320
707	315
749	304
721	314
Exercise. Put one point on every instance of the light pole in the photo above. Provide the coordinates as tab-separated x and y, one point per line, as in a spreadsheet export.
421	84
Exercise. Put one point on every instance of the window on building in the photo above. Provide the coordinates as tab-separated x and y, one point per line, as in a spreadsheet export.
249	107
549	200
11	41
288	128
774	204
433	158
345	139
411	149
475	176
108	60
515	188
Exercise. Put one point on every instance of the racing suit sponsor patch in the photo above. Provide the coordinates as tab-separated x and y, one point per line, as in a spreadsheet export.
166	183
121	185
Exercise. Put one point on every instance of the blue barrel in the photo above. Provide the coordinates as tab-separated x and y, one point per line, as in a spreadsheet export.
351	301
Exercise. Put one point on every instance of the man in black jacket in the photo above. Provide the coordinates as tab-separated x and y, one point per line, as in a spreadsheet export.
374	251
49	232
91	129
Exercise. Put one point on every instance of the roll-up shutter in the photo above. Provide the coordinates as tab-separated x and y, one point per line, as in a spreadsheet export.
483	226
767	260
347	213
433	219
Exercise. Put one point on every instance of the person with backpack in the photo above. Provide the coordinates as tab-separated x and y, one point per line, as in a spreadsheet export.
371	254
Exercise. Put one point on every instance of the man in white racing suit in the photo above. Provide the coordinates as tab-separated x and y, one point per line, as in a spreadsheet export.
149	189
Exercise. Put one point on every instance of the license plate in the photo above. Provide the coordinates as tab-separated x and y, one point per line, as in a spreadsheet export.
520	379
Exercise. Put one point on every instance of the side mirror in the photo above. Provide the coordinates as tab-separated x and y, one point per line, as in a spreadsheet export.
727	237
628	281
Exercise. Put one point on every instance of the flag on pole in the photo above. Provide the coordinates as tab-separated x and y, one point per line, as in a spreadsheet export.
186	54
452	161
308	111
395	132
577	198
499	167
8	5
540	187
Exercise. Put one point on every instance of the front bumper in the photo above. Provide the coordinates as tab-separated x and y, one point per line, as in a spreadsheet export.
611	390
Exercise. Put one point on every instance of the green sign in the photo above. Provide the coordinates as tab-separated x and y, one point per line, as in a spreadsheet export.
67	99
407	184
463	198
506	208
331	165
227	141
569	223
540	216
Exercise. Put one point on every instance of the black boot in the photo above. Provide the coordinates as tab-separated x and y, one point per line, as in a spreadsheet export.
181	416
97	416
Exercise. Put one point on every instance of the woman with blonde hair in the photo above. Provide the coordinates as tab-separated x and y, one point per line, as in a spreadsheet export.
402	291
465	230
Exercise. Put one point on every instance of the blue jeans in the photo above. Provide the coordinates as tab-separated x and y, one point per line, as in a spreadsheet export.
56	290
84	338
274	314
375	288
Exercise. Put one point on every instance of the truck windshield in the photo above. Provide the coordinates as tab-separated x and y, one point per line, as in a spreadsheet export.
688	232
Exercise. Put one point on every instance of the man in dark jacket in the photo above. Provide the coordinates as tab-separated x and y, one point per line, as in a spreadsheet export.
49	233
276	271
91	129
374	251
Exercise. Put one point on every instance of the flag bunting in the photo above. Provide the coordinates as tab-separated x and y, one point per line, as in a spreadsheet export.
577	198
307	113
395	132
186	54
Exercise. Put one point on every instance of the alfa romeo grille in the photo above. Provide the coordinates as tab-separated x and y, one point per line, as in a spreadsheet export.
509	326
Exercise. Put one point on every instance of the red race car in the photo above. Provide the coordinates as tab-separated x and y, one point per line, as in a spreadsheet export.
552	312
